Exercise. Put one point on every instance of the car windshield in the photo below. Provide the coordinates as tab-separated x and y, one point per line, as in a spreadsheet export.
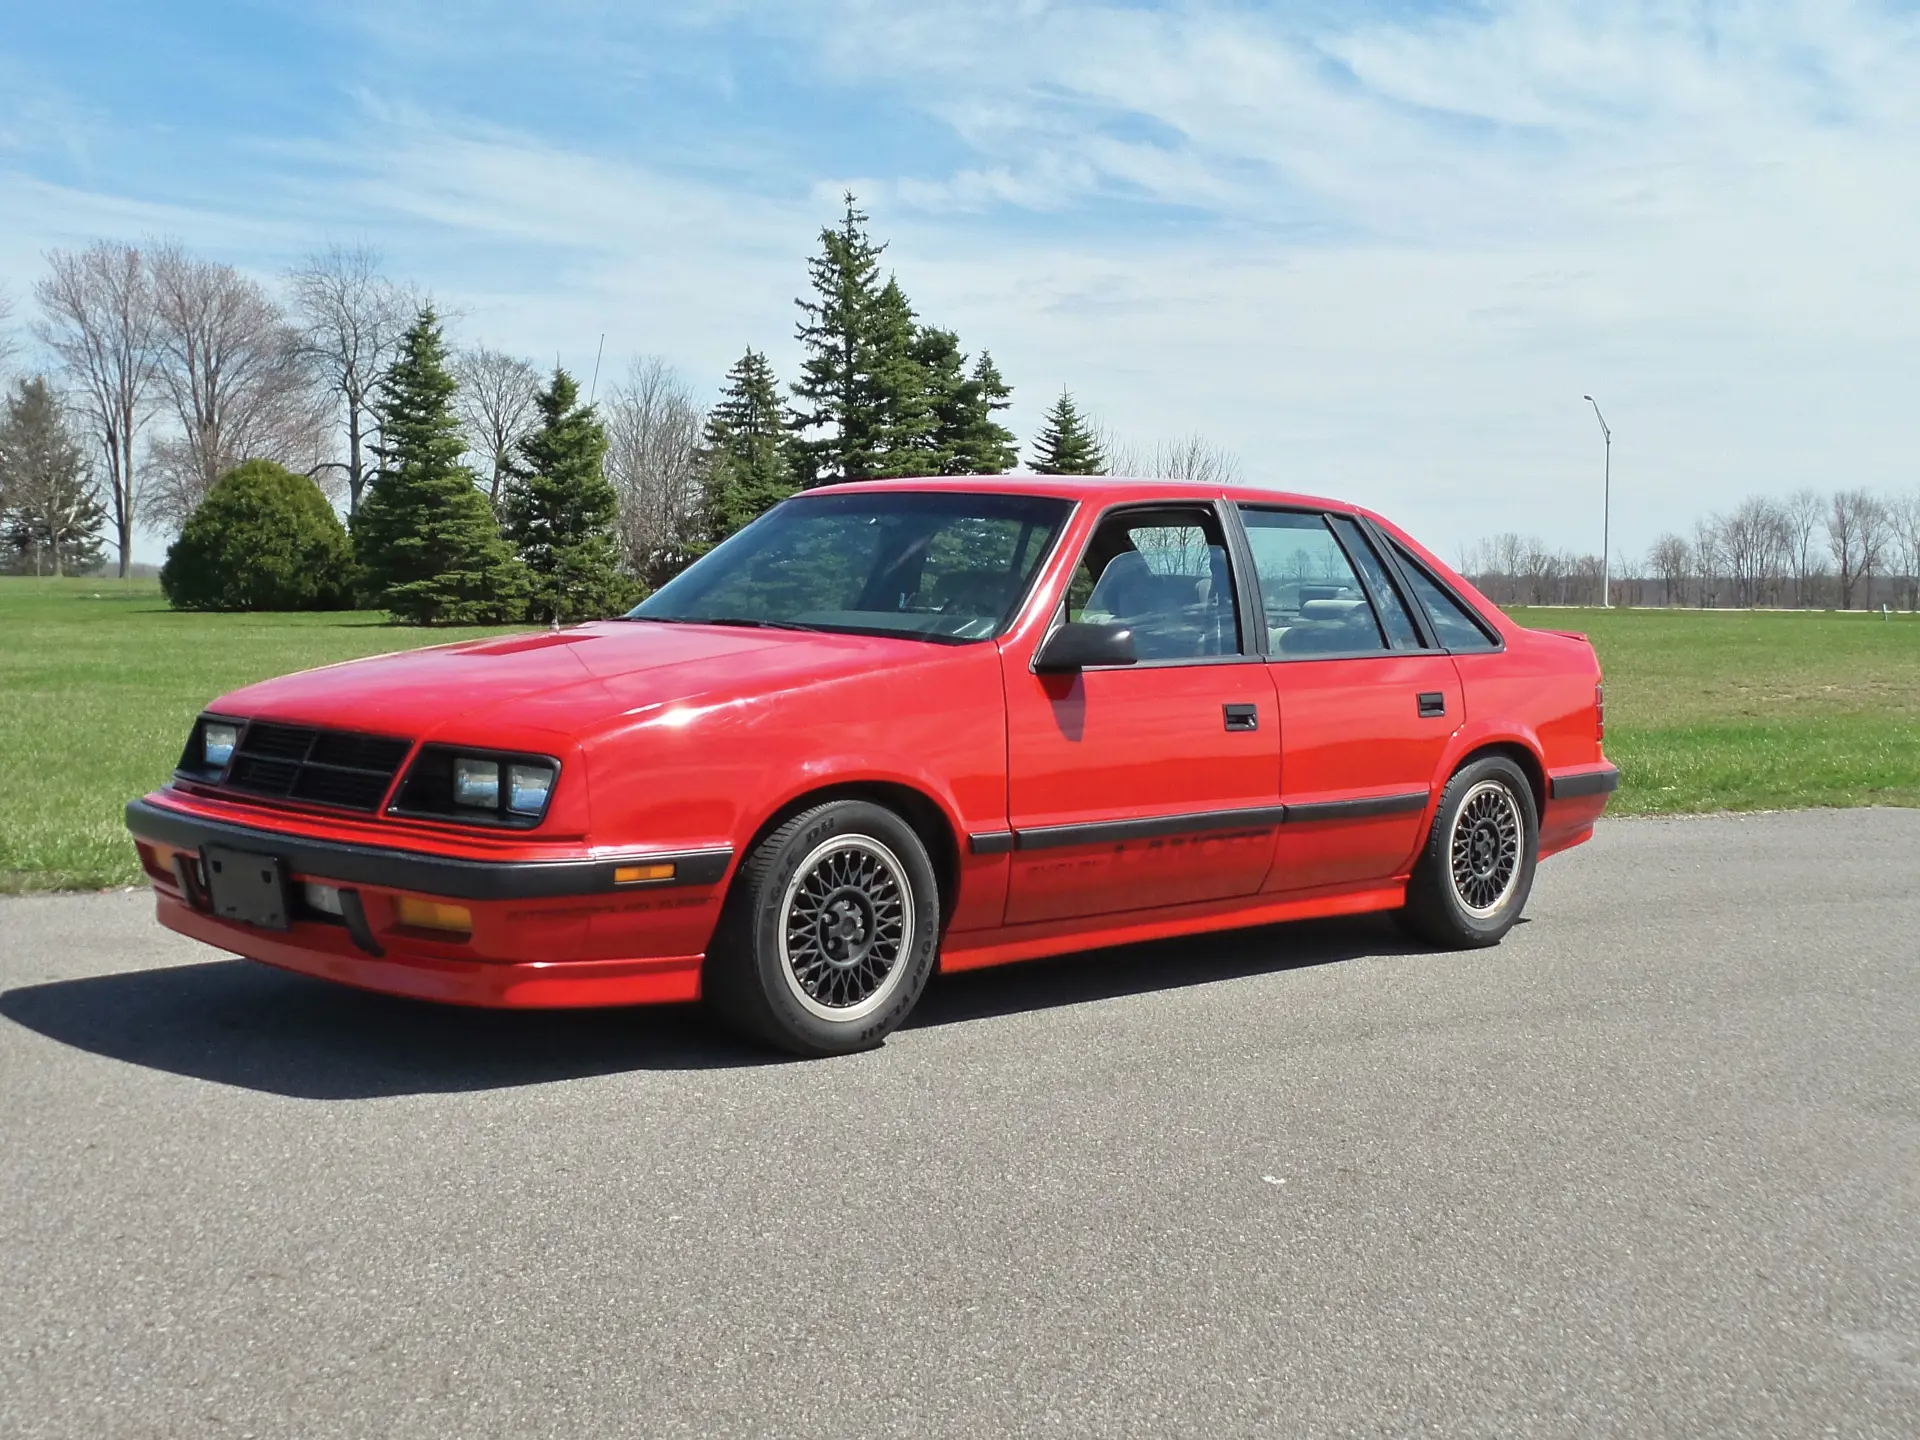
933	565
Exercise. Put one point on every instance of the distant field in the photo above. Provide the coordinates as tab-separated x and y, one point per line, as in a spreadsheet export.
1755	710
98	684
1706	711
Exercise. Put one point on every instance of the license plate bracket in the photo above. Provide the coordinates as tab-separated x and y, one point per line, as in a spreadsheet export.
248	888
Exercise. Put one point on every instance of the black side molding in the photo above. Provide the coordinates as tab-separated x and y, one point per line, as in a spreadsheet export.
388	868
1401	804
1586	782
990	842
1108	832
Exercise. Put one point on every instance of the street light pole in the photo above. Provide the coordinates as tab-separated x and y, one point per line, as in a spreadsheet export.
1606	506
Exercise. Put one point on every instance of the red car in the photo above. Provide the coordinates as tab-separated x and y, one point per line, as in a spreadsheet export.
889	726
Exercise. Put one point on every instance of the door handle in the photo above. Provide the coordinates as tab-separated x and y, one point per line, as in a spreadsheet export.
1241	717
1433	704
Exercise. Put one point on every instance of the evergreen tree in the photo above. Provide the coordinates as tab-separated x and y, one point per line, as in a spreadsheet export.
50	510
560	511
426	543
1067	444
829	395
893	384
747	467
965	438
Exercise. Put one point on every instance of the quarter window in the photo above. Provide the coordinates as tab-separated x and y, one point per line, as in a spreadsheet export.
1314	601
1456	626
1164	575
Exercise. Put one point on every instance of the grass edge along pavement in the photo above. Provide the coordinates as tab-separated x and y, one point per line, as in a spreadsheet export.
1706	710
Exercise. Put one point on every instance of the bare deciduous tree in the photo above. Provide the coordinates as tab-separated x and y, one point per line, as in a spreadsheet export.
9	342
1904	517
1801	513
97	316
653	459
1192	457
1856	534
495	406
350	320
1670	559
238	379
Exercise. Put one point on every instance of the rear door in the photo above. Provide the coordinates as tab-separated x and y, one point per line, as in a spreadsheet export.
1132	787
1367	702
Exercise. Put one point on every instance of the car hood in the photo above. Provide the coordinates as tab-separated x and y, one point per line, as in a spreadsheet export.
572	681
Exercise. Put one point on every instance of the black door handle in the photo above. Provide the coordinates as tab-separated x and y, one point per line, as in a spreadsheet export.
1433	704
1241	717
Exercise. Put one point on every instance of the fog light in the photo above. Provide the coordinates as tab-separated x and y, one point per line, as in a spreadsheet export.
433	915
476	783
324	898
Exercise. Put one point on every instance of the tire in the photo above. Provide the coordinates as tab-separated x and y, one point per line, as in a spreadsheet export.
1476	869
829	933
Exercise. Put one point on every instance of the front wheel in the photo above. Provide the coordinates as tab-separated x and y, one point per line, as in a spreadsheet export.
1476	870
829	933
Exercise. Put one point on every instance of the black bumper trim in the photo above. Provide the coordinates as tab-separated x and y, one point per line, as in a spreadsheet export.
1587	782
393	869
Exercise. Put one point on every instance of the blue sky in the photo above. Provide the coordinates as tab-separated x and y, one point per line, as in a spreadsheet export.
1379	251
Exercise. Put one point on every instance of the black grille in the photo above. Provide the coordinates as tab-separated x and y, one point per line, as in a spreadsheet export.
322	767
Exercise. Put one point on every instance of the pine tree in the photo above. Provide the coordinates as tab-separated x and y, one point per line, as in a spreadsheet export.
559	511
1067	444
747	467
829	395
965	439
426	543
892	382
50	510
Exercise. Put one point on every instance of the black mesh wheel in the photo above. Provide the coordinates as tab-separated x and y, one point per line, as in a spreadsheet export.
1475	870
829	933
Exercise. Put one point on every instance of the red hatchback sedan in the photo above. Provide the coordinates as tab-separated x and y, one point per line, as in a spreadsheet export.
890	726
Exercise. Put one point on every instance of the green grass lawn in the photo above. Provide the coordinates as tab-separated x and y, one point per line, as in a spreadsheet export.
99	681
1755	710
1705	711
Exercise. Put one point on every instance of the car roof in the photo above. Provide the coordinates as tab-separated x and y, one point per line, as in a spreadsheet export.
1103	488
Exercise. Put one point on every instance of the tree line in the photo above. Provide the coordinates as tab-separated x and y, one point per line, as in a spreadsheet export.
1845	549
163	372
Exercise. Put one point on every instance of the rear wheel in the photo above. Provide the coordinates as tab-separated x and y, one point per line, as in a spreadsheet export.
830	931
1476	870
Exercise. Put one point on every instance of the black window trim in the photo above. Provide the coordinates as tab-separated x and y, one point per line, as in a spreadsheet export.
1414	609
1229	528
1402	561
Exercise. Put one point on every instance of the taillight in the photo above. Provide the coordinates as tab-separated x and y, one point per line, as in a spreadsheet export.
1599	713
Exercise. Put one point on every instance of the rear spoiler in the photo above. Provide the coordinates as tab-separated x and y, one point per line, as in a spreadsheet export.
1579	635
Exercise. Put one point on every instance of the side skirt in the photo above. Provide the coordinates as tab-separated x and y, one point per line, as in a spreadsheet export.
980	948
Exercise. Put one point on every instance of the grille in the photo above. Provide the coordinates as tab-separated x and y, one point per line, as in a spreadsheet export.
322	767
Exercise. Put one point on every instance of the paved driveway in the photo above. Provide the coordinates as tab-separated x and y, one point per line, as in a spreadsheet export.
1650	1167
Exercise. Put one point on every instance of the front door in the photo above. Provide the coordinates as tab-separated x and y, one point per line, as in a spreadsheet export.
1132	787
1367	704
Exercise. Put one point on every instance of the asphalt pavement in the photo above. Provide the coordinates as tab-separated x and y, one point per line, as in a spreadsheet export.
1651	1167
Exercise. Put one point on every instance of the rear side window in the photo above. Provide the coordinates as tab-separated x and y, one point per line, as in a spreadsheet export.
1387	600
1314	600
1452	621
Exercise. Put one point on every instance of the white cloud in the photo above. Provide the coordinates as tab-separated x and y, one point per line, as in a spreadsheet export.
1377	255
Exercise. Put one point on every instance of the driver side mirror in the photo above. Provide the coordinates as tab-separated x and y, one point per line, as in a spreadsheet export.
1083	646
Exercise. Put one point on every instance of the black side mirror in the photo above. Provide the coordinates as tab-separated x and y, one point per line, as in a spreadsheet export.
1081	647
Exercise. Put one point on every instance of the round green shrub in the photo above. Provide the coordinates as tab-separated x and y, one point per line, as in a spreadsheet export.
263	539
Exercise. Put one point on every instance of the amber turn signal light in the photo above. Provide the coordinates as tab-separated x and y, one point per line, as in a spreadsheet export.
641	874
433	915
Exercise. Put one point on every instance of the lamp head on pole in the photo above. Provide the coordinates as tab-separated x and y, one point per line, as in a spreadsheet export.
1604	431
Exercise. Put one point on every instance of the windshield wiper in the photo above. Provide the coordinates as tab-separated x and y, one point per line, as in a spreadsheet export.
739	620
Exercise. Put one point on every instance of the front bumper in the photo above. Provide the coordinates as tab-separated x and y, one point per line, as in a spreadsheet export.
546	931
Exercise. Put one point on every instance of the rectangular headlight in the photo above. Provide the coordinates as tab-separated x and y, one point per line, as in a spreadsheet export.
476	782
217	742
527	787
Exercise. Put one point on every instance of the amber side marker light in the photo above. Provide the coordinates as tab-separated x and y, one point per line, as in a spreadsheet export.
641	874
433	915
